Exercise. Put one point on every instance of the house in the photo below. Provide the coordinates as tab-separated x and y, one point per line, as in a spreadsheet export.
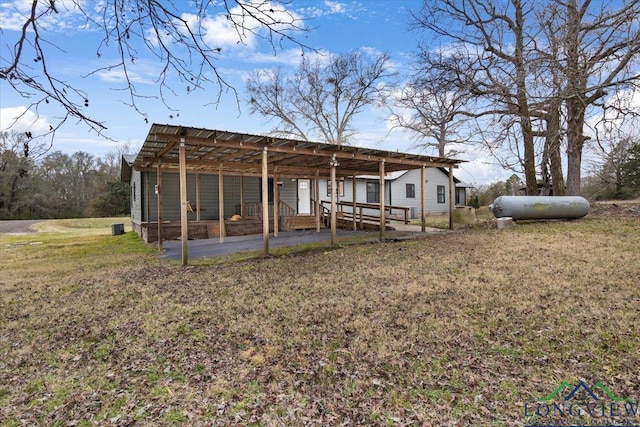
196	183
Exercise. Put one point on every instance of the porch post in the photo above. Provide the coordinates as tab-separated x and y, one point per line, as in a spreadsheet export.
265	202
276	202
334	162
242	196
221	203
383	218
353	196
451	192
197	197
159	179
422	220
184	224
317	201
147	199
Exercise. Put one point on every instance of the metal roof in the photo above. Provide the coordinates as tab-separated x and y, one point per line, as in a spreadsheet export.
207	150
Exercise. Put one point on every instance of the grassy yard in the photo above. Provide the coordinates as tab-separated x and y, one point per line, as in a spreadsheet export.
471	327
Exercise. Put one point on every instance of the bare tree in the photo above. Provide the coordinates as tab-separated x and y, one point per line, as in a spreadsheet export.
434	114
322	98
546	64
135	29
485	65
600	53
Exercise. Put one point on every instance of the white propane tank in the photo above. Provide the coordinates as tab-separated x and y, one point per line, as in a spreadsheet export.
540	207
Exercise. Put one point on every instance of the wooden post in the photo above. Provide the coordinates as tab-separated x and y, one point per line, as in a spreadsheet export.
383	218
221	203
184	223
451	193
353	197
423	225
265	202
159	179
147	198
276	202
333	163
242	196
317	200
197	197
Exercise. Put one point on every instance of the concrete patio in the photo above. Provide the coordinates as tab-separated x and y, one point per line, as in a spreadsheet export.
205	248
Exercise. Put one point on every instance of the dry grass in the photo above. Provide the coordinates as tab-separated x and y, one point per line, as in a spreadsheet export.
461	328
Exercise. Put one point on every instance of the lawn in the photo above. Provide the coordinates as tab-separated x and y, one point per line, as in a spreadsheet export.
471	327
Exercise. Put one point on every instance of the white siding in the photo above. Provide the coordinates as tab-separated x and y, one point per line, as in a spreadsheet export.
395	193
433	178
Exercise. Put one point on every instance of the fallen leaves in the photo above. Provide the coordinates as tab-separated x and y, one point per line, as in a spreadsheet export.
456	329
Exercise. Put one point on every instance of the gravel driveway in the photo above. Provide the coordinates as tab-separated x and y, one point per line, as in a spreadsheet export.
18	226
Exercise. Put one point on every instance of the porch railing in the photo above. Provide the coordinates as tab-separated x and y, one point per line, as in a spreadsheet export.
365	212
254	209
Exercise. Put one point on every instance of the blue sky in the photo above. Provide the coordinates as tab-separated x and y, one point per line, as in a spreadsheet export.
334	27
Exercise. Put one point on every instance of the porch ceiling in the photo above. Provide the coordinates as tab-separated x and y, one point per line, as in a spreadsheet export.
238	153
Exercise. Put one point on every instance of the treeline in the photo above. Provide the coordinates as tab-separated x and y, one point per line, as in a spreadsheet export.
37	183
615	175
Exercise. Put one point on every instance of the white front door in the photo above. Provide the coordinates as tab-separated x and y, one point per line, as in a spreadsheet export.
304	197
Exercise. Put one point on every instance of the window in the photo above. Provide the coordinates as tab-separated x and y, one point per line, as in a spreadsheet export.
461	196
269	189
340	188
441	197
411	191
373	192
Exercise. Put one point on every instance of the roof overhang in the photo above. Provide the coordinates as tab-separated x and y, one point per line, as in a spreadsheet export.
209	150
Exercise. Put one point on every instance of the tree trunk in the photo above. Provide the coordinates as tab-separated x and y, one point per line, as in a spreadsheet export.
523	104
575	143
553	146
575	103
544	171
529	156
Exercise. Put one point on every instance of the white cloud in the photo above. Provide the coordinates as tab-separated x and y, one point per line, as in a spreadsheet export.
118	76
290	57
242	28
335	7
19	119
13	14
352	10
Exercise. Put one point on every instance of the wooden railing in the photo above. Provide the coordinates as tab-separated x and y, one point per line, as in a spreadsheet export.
362	216
254	209
285	209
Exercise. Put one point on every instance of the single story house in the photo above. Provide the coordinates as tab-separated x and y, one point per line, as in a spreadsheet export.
197	183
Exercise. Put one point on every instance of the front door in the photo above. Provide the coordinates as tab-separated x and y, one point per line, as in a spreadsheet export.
304	197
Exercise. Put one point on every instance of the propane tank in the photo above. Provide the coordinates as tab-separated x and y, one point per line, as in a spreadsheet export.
540	207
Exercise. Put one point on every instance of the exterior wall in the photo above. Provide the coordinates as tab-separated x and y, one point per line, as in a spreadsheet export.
433	177
136	197
395	193
289	192
208	196
361	192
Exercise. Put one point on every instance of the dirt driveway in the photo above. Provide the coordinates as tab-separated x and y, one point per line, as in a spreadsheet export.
18	226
